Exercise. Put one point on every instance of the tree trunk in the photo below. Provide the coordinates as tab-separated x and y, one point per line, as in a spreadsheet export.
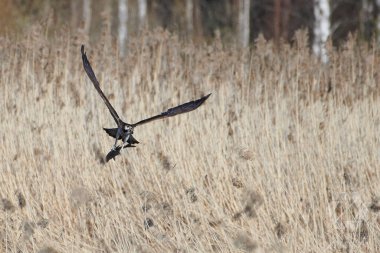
286	8
198	26
123	30
321	28
74	8
277	21
367	19
189	17
244	7
87	16
142	13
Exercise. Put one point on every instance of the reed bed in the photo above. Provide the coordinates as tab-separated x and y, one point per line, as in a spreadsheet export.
283	157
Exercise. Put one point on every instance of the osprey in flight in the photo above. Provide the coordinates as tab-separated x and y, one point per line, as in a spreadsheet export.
124	130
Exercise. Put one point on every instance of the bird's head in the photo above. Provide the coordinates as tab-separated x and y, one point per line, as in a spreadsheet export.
128	128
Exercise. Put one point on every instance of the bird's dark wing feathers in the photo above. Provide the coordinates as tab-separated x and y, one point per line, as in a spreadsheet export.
87	67
187	107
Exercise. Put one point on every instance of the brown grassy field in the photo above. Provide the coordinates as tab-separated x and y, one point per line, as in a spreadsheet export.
283	157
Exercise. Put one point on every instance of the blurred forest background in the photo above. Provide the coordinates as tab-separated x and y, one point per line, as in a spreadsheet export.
235	21
283	157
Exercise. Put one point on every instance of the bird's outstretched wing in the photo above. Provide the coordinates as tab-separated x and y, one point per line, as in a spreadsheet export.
187	107
87	67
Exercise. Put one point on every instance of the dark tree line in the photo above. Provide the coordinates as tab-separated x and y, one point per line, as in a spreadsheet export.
201	19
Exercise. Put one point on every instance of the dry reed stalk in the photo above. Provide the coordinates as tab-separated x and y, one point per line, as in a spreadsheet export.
283	157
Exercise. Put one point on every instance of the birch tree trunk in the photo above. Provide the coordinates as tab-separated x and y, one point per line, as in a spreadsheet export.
243	29
322	28
189	17
87	15
74	8
277	21
123	30
142	13
197	21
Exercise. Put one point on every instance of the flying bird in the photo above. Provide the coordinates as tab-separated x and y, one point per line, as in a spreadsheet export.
124	131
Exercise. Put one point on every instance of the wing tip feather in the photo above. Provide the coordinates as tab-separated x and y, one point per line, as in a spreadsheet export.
204	98
82	50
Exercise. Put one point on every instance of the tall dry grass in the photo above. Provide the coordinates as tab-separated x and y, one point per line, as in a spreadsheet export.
283	157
